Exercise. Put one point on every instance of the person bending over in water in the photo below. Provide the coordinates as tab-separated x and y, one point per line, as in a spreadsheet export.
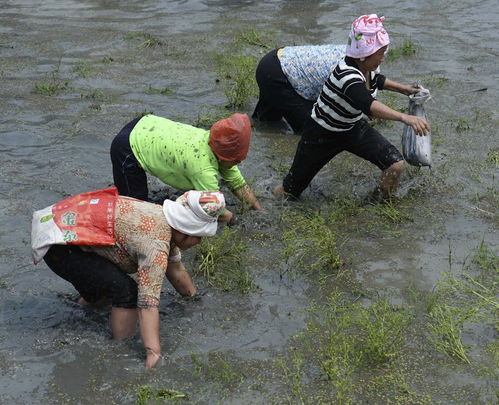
182	156
290	79
147	242
337	121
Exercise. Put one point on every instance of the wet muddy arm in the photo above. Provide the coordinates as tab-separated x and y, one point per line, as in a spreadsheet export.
399	88
180	279
245	194
149	332
379	110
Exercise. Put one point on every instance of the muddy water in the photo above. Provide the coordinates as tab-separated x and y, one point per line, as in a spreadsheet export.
51	350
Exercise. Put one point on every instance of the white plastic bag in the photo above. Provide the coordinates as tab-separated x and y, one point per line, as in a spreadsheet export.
416	148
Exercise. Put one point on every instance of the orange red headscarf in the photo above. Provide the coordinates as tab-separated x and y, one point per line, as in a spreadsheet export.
230	138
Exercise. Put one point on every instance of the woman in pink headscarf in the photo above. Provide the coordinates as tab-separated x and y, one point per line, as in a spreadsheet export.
338	120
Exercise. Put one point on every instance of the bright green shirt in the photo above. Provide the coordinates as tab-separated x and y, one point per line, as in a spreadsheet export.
179	155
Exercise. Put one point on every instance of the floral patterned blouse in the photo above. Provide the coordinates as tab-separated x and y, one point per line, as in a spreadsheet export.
307	67
142	247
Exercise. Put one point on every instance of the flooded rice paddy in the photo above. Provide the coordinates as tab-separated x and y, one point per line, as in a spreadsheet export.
319	301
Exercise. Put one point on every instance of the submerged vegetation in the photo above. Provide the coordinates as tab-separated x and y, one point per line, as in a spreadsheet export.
493	157
221	262
236	66
236	72
146	393
374	351
163	91
148	40
52	84
309	243
407	48
208	115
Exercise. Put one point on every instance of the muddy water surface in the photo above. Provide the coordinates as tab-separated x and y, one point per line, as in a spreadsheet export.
95	54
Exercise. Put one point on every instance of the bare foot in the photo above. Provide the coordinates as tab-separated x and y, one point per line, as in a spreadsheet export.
278	190
82	301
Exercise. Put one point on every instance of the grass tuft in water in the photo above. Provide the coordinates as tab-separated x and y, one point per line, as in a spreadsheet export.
493	157
208	115
163	91
51	85
148	41
218	369
236	67
387	210
220	261
345	337
147	393
309	242
464	298
462	125
434	80
255	38
486	259
446	325
237	74
82	69
407	48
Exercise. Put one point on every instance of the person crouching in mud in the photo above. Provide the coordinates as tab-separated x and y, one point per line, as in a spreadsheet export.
148	240
337	121
182	156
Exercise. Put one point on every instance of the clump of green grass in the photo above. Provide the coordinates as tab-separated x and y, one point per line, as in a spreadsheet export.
462	125
292	372
253	37
434	80
389	211
218	369
407	48
493	157
396	384
237	74
3	283
208	115
464	298
309	242
82	69
446	325
163	91
236	67
486	259
220	261
345	337
147	393
51	85
140	114
148	41
96	94
383	328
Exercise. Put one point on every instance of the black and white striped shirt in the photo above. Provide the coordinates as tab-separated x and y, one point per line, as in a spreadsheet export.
345	99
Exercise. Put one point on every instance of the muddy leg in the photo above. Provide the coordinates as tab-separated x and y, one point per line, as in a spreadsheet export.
123	322
390	179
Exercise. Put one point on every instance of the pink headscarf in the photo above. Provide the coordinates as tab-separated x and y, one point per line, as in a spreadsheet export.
366	36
